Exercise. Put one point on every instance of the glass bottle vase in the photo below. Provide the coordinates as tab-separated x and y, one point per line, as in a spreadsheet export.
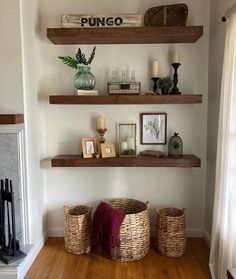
84	79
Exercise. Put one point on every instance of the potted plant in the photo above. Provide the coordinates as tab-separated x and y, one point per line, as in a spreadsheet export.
84	79
165	84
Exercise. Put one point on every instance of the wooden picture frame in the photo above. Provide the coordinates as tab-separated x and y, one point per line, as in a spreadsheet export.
89	146
108	150
153	128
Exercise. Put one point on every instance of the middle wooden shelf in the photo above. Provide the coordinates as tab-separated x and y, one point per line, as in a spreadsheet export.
124	100
185	161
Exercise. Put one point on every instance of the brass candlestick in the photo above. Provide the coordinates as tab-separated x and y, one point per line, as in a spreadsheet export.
101	133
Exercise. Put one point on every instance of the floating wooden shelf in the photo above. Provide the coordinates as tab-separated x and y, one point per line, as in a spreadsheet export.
125	35
124	100
187	161
11	118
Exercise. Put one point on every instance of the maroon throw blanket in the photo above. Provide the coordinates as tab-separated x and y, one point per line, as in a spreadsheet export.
106	227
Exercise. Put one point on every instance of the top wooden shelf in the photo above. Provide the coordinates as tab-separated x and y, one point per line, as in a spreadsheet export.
125	35
11	118
124	100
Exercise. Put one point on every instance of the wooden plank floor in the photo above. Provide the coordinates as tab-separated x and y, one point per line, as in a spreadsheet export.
54	262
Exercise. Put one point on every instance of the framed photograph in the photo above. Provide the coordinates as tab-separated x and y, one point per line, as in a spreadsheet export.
89	146
153	128
108	150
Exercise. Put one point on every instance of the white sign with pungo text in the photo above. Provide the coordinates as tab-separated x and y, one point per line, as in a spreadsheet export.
82	20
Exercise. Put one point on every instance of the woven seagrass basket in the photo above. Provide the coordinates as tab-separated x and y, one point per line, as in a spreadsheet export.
171	235
78	224
134	231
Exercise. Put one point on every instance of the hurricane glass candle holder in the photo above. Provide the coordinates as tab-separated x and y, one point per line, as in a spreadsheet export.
127	140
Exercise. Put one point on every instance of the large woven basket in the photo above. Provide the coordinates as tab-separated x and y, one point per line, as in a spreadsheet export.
134	231
78	224
171	236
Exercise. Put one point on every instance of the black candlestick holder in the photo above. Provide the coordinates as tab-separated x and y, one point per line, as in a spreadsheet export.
155	84
175	89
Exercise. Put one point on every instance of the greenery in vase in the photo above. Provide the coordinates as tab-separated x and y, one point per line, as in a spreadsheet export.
128	152
80	59
165	83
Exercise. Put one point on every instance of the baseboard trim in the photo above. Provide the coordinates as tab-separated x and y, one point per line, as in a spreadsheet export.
194	232
56	232
190	231
207	238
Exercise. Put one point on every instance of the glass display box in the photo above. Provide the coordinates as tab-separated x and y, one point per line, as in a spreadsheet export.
127	140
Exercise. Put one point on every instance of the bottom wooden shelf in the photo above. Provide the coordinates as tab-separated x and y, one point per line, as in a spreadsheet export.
186	161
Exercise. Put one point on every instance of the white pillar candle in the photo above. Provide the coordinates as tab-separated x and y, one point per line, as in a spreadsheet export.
176	56
131	143
124	145
100	122
155	68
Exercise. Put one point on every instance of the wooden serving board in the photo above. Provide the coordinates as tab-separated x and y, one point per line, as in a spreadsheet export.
168	15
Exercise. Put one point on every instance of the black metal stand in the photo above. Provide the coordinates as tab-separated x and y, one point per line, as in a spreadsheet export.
10	248
175	89
155	84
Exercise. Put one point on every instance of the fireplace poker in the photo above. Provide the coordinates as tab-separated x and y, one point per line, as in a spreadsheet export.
13	219
2	221
8	217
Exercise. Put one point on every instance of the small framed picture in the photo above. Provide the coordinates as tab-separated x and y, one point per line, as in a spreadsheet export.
108	150
153	128
89	146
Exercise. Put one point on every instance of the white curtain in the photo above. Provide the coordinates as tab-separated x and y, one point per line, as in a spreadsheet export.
223	245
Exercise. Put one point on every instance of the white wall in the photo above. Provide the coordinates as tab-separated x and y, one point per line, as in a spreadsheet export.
216	52
34	119
65	125
11	83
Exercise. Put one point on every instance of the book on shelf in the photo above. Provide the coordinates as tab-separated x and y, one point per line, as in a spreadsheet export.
81	92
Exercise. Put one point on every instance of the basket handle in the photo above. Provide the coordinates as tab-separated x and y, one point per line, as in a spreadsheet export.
147	204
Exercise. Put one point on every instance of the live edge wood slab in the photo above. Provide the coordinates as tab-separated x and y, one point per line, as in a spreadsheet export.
125	35
186	161
122	100
11	118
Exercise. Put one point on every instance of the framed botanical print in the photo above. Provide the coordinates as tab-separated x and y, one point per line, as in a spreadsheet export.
153	128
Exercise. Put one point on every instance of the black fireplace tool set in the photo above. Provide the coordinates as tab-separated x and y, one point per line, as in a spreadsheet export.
10	247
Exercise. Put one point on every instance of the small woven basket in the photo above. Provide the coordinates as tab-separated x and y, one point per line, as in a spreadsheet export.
171	235
78	224
134	231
